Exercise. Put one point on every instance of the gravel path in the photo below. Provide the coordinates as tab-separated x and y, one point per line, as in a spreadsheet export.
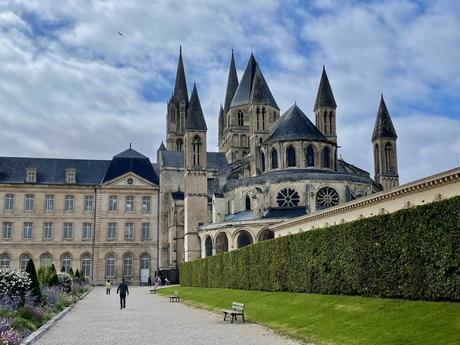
150	319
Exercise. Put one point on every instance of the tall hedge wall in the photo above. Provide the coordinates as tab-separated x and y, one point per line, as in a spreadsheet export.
413	253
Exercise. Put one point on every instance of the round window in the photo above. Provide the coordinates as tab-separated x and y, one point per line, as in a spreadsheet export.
130	181
288	197
326	197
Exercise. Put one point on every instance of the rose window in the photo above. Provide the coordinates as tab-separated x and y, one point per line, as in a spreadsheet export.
288	197
326	197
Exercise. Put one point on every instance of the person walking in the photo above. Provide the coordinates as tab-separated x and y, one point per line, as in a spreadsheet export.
123	290
149	281
108	287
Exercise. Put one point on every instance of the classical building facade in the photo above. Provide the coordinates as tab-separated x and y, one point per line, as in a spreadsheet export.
128	217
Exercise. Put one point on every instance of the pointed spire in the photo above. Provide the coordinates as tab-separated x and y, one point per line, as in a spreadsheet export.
221	121
180	89
195	118
260	93
383	127
324	97
232	84
162	147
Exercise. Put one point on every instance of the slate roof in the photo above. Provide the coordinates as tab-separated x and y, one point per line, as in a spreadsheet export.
180	88
195	118
175	159
285	212
294	125
130	153
177	195
162	146
52	170
232	84
383	127
324	97
243	215
253	87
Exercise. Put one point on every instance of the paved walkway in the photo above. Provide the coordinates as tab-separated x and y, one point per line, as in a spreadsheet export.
150	319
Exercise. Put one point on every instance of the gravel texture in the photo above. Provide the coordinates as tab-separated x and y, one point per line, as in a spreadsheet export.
150	319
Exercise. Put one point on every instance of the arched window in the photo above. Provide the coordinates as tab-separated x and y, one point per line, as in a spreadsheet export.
247	203
258	118
326	158
262	161
274	159
243	140
128	265
173	114
145	261
5	260
326	197
235	140
66	262
326	125
266	234
110	266
244	239
310	156
180	145
208	246
196	150
263	118
23	261
288	197
331	122
290	156
86	265
45	260
376	159
388	157
221	243
240	118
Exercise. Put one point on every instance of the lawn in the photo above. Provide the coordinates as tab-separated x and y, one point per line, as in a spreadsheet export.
341	320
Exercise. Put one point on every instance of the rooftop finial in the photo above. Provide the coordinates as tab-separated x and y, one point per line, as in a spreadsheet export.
129	145
180	49
324	68
381	95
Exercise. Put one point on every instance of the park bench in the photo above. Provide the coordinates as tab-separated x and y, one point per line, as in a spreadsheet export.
237	309
175	297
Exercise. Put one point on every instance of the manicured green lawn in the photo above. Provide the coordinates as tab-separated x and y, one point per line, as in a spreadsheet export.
330	319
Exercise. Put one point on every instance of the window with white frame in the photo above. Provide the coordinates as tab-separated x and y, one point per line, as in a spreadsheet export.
87	231
49	203
145	231
45	260
29	202
145	261
5	260
129	205
88	204
127	266
129	231
112	231
68	203
86	265
7	230
110	266
70	176
68	231
31	175
146	204
66	262
27	230
23	261
113	202
9	202
48	231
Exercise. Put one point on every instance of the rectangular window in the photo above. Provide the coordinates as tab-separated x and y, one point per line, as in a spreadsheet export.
49	203
29	202
68	231
70	176
113	201
48	231
129	206
128	266
129	231
9	202
146	204
7	230
110	266
88	203
145	231
112	231
68	203
27	231
31	176
87	231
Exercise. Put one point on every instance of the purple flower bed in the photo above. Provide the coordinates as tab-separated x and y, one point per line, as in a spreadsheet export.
8	335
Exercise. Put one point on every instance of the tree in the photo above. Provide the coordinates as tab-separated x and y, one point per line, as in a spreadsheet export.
71	272
35	286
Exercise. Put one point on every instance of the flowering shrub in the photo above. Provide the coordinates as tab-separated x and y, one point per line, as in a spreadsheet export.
9	303
14	282
50	295
33	313
8	335
65	281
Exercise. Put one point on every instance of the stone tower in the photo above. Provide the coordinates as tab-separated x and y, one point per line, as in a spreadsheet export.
384	145
325	108
177	110
195	181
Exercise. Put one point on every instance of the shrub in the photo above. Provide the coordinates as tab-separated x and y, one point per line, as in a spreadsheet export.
413	253
9	303
65	281
35	285
8	335
33	313
14	282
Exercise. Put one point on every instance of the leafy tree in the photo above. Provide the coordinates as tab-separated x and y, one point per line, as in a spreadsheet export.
35	286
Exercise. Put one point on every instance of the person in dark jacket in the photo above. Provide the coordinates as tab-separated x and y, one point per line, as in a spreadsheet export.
149	281
123	289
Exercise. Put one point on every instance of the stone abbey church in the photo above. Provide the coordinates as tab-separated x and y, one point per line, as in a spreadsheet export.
129	217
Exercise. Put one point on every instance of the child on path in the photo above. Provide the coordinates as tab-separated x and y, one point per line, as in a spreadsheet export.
108	287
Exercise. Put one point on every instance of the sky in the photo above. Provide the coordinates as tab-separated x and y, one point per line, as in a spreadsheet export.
72	87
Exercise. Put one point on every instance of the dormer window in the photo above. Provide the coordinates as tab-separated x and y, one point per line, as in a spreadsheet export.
31	175
70	175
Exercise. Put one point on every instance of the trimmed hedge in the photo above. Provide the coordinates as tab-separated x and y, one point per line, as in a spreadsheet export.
413	253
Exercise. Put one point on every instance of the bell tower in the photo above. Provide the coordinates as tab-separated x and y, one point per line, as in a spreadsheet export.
325	108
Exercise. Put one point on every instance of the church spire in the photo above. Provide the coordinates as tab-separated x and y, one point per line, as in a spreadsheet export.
232	84
324	97
180	89
383	127
195	118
